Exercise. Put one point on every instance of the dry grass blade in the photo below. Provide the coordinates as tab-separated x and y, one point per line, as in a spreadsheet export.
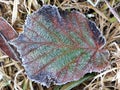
113	11
116	55
5	80
84	5
6	2
16	86
35	4
15	11
3	57
93	4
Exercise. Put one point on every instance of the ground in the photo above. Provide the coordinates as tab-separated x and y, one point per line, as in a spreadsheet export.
104	14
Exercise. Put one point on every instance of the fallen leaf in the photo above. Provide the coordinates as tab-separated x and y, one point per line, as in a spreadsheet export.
60	46
6	34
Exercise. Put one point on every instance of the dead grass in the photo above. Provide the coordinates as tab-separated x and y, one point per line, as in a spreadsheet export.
12	75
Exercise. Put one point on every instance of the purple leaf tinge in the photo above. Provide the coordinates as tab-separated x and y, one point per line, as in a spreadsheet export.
60	46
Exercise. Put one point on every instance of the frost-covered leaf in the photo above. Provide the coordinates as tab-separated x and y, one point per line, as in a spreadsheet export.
60	46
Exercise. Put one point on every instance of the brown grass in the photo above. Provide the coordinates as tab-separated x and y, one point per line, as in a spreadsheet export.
12	74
